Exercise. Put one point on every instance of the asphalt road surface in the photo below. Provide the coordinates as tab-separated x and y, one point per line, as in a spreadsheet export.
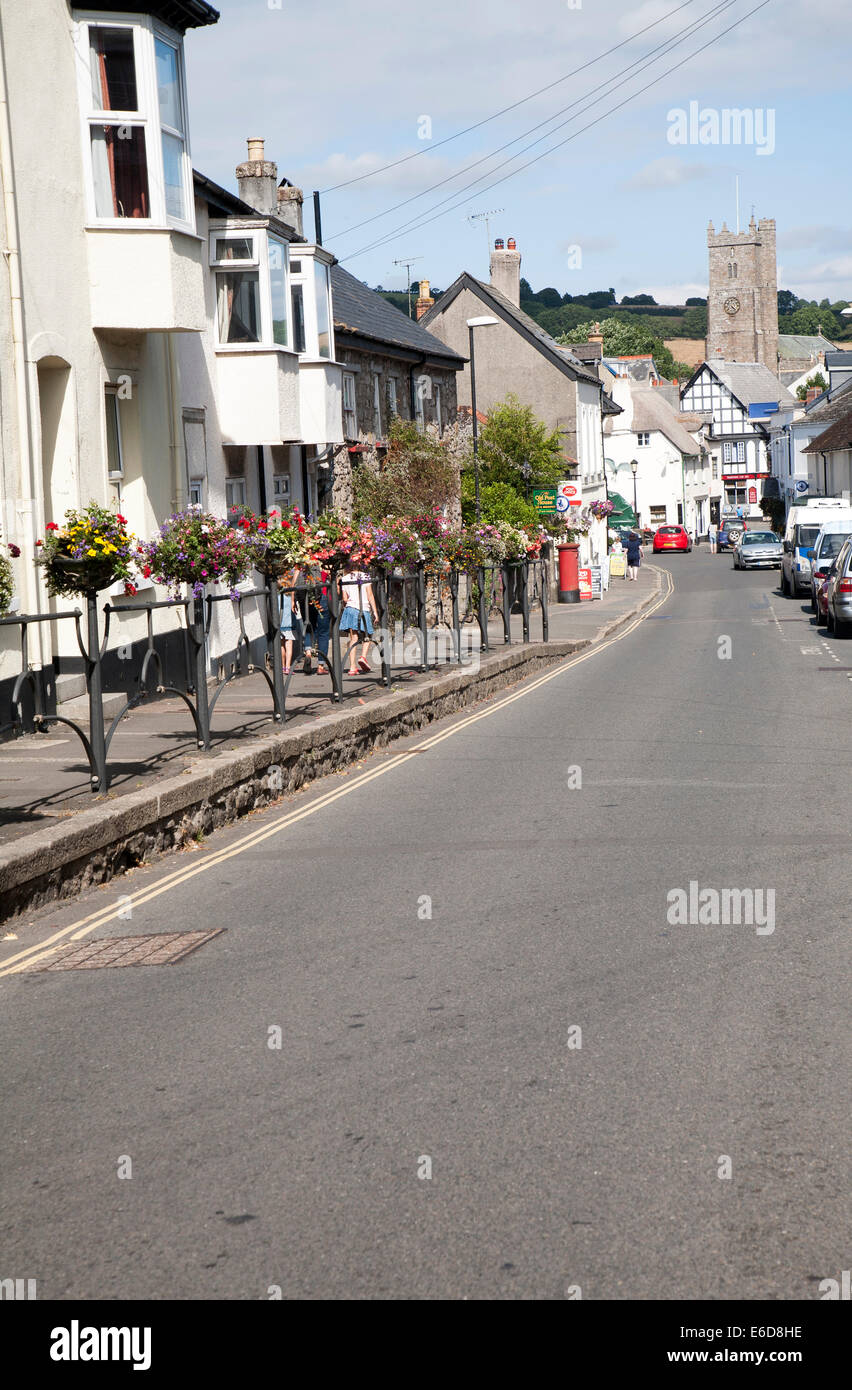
425	945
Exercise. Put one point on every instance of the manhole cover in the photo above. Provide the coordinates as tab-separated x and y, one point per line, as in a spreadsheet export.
164	948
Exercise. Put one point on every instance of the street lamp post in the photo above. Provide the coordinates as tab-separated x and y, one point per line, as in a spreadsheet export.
482	322
634	469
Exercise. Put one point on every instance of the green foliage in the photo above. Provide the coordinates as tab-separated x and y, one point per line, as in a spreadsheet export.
775	511
788	302
694	323
498	502
816	380
631	340
512	437
638	299
696	303
416	477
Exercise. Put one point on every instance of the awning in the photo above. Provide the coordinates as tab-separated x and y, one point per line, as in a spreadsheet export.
623	515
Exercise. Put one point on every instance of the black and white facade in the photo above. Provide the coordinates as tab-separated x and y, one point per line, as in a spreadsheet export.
736	400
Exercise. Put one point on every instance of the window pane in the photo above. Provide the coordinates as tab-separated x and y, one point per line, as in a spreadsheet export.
323	326
120	171
168	85
295	267
113	70
112	434
173	176
278	289
239	307
298	302
234	249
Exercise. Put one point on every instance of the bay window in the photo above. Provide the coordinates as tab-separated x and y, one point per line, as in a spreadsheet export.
252	296
132	97
323	308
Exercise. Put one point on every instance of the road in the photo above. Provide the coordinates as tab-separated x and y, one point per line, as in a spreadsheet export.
428	941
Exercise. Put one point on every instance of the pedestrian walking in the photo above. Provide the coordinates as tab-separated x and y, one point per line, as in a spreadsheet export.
634	555
359	612
291	623
712	536
321	615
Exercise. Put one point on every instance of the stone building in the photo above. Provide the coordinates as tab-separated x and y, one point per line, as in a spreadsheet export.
392	367
742	304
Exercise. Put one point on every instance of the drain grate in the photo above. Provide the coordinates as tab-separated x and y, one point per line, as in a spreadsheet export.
163	948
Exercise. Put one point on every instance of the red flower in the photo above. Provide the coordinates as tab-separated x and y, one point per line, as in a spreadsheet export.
122	519
14	550
129	589
39	542
146	571
285	526
261	526
51	526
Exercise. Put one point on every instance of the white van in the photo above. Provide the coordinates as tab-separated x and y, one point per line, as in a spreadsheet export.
803	526
827	547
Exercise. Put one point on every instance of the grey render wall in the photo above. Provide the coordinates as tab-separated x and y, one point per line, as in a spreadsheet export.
506	362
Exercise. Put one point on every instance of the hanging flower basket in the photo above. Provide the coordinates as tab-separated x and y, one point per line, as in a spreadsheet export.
91	551
7	581
198	549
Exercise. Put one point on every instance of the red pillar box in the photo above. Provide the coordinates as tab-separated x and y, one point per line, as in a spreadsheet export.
569	573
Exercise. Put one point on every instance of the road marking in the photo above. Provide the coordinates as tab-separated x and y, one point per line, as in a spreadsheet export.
77	930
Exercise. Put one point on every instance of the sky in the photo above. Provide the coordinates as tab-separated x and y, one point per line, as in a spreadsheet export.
339	90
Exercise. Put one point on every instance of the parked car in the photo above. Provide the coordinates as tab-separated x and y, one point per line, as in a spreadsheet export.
838	594
827	547
822	596
758	550
671	538
729	533
800	535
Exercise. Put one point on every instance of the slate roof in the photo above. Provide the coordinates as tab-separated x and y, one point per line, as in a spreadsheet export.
179	14
587	352
561	357
750	382
366	314
837	436
802	344
838	359
653	413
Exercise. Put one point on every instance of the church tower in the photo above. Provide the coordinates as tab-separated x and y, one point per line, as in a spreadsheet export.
742	305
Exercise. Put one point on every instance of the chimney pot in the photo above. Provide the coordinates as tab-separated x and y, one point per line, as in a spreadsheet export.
512	244
506	271
257	179
255	148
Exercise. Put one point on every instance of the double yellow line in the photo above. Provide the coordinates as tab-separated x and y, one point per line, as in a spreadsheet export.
24	959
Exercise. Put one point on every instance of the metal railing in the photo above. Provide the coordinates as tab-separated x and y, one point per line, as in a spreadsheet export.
410	594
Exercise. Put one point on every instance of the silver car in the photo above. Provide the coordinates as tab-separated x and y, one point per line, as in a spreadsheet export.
758	550
839	592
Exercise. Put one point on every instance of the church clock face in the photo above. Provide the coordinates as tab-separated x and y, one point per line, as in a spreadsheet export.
732	306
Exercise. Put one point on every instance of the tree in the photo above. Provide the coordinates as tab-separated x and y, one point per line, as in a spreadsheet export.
696	303
809	319
788	302
416	476
816	380
512	437
550	298
638	299
695	322
497	502
630	339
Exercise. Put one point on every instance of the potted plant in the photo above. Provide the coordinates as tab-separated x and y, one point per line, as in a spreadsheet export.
7	578
334	541
394	543
282	541
196	548
91	551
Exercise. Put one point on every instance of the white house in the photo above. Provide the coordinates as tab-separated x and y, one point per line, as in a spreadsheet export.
673	482
160	343
737	400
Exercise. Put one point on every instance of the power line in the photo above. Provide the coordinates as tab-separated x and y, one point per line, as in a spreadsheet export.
646	59
514	105
425	221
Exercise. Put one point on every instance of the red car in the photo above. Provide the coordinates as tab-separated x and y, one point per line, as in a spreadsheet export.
821	591
672	538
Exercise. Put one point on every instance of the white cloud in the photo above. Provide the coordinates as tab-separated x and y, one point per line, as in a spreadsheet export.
667	173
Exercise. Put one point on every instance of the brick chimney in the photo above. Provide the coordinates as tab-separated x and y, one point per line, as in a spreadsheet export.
506	270
814	393
424	300
257	179
290	201
596	336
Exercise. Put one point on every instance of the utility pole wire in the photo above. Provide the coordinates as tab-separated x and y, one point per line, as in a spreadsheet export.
514	105
425	221
645	59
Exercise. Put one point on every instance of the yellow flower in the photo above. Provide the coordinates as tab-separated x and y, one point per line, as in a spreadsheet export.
93	553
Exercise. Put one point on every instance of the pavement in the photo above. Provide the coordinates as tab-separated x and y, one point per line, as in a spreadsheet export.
451	1041
44	778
